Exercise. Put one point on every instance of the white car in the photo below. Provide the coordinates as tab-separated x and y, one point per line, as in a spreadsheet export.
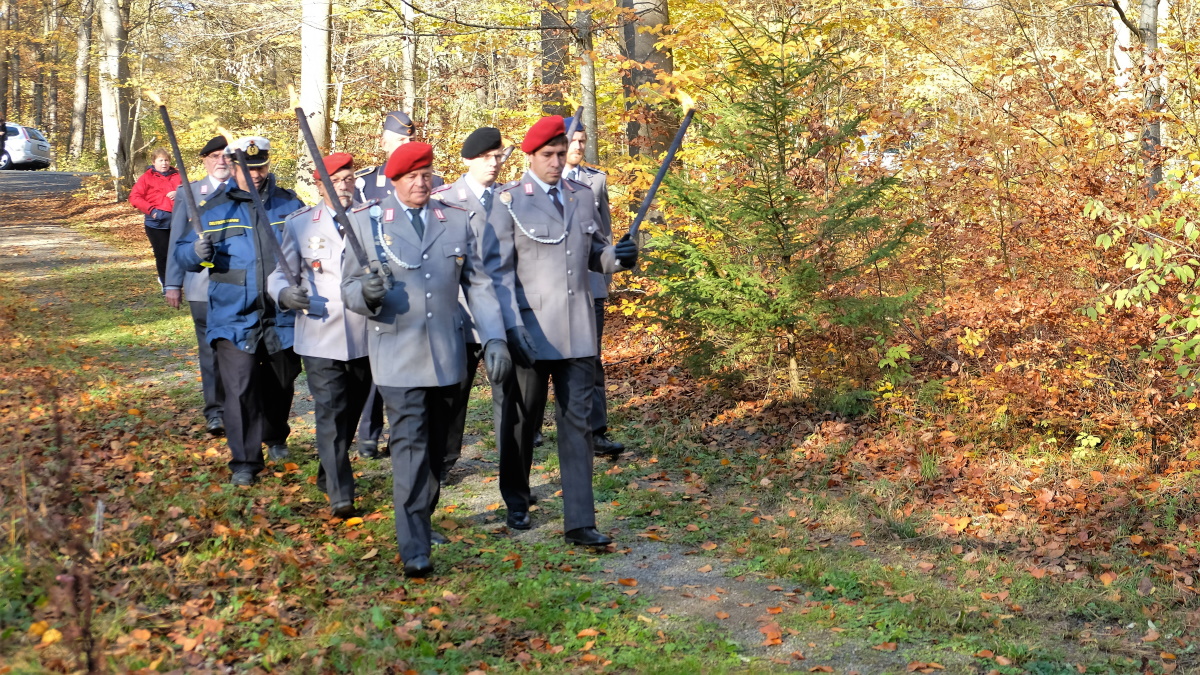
24	146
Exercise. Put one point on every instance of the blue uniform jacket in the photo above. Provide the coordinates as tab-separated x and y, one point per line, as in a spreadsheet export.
239	307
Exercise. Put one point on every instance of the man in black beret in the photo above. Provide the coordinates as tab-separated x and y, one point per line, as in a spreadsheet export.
474	191
194	285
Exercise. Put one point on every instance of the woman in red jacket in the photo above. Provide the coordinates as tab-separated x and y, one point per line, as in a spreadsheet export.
154	195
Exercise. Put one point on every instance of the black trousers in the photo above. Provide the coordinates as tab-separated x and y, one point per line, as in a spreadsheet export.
370	428
339	389
420	418
525	396
210	375
458	418
258	399
160	241
599	418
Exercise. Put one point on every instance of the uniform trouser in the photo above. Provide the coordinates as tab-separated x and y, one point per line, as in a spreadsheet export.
599	417
525	396
339	389
370	428
210	375
458	418
258	399
419	417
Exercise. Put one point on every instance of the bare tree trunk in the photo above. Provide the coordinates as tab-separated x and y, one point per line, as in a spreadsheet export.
14	60
654	136
554	60
83	48
114	100
315	28
39	80
587	82
1152	131
1122	53
408	63
4	58
52	85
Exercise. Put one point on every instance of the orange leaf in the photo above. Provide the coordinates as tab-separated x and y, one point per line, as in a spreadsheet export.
289	466
1037	573
705	569
1151	636
627	582
1108	578
886	647
821	669
708	546
587	632
858	542
722	615
774	610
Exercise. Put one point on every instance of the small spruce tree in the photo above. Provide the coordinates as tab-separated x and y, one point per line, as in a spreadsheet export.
778	237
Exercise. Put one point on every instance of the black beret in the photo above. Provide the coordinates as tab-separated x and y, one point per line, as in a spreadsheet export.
398	122
483	139
214	144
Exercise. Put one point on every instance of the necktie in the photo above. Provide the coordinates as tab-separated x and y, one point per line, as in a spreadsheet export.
574	175
487	200
554	198
418	224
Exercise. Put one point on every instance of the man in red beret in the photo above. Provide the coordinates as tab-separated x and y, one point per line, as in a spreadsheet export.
549	235
332	341
423	253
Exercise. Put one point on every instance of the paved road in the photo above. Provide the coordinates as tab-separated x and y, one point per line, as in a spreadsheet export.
32	183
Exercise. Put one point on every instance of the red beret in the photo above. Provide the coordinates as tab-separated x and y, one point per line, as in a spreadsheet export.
408	157
542	132
335	163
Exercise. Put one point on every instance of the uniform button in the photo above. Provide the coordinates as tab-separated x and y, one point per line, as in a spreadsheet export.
570	292
532	231
457	249
429	295
376	329
427	275
425	257
428	315
570	272
568	251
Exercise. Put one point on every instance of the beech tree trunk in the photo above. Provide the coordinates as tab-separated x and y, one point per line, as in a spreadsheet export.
408	63
314	80
1152	97
114	99
587	82
4	59
654	135
83	48
554	60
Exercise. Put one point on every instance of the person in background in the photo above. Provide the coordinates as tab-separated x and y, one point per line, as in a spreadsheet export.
154	195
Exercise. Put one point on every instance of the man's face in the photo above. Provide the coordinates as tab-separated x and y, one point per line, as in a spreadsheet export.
484	168
257	173
547	162
216	165
343	186
575	150
390	140
413	188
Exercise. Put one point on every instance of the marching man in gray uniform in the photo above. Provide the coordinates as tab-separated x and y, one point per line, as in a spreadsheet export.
423	253
598	181
474	191
332	341
547	236
194	285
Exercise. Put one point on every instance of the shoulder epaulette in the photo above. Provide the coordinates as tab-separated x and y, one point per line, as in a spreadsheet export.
510	186
441	188
302	209
592	169
577	183
365	205
450	205
363	172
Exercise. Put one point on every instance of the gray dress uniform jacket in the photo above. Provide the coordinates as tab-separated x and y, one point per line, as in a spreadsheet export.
194	284
532	249
597	180
313	245
459	194
416	336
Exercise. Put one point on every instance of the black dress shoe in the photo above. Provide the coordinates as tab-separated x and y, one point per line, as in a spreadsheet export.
438	539
418	566
277	452
538	440
368	449
518	520
587	536
243	478
342	509
215	427
607	447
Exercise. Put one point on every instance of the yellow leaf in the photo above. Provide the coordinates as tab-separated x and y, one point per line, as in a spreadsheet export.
51	636
37	628
351	522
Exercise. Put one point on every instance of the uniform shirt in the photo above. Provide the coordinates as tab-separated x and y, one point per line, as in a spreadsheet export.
314	244
239	307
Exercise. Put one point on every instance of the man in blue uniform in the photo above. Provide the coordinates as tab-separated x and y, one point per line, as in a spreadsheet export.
251	336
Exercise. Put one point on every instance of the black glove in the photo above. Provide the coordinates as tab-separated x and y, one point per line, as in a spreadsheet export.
373	290
294	297
627	252
520	346
203	248
497	361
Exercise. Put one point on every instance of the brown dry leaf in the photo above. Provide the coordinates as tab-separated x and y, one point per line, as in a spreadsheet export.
1107	578
925	566
821	669
1151	636
774	635
289	466
705	569
248	564
627	582
885	647
692	527
587	632
492	507
1037	573
515	558
140	634
858	542
708	546
1003	661
906	599
1145	587
722	615
985	653
449	525
370	554
774	588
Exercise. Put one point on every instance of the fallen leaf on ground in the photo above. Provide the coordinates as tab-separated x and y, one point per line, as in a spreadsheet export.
886	647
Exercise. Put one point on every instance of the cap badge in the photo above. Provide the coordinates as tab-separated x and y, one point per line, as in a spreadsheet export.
252	150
